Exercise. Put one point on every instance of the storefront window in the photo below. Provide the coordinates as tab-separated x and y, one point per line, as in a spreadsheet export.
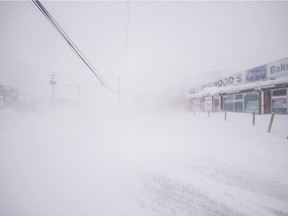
239	97
280	92
239	106
228	107
228	99
216	104
251	102
279	105
279	101
228	103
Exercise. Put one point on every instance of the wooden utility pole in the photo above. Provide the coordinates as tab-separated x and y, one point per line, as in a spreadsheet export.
53	83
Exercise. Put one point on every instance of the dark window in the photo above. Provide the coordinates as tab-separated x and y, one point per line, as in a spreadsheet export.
280	92
239	97
279	105
279	110
238	106
228	99
251	97
251	103
228	107
216	102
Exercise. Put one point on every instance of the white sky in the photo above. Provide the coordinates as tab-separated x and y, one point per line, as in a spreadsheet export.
169	42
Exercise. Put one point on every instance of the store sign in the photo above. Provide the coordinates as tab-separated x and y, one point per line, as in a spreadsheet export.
275	69
278	68
256	74
231	80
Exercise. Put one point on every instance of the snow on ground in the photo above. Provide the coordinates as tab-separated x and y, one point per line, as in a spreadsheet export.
77	162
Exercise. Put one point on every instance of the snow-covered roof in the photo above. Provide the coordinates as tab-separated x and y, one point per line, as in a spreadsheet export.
236	88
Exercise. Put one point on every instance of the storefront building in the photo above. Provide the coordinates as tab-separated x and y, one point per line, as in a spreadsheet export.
262	90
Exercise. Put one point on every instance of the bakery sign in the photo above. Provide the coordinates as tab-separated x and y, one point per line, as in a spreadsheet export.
278	68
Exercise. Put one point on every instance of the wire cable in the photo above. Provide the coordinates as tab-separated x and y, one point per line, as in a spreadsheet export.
77	51
127	27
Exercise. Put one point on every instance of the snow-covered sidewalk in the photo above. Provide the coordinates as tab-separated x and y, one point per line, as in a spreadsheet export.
71	162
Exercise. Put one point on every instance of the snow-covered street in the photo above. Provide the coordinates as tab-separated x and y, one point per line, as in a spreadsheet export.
70	162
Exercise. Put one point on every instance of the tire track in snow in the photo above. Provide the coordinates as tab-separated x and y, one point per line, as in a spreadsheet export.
169	197
234	176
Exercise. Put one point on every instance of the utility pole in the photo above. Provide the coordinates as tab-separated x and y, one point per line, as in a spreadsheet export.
53	83
79	92
119	94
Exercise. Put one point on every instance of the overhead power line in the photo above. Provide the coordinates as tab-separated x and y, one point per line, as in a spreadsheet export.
77	51
126	40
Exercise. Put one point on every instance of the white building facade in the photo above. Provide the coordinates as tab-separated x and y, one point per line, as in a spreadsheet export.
263	89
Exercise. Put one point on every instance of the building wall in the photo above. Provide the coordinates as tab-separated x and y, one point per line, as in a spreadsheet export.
267	101
276	101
